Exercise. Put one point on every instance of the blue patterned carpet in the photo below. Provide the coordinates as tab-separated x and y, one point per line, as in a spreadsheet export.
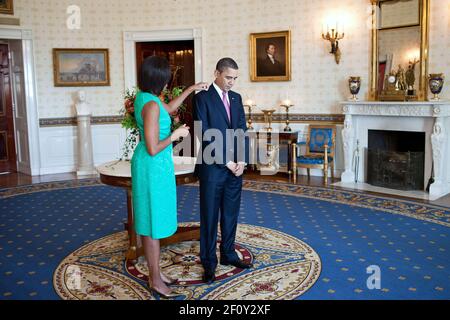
350	231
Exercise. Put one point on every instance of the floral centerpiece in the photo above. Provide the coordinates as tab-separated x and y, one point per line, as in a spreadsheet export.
129	120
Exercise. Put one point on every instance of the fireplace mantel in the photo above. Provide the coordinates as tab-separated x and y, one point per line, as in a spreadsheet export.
431	117
397	109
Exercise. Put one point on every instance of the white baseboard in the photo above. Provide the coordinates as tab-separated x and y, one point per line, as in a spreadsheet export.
56	170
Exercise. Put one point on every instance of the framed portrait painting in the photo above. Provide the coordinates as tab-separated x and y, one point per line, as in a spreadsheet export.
270	56
81	67
6	7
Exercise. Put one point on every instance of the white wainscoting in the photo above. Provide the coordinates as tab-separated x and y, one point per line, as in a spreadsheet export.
59	146
59	152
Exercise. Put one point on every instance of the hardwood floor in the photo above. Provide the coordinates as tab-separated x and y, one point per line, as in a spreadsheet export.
318	181
18	179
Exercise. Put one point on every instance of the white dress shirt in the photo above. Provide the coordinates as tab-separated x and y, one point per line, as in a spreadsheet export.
220	92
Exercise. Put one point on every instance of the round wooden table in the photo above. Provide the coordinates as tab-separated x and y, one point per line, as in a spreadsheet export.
118	173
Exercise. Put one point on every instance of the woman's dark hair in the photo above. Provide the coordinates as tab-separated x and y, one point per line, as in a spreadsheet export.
155	74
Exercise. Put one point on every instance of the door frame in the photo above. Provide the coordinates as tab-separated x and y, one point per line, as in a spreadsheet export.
26	36
129	45
9	108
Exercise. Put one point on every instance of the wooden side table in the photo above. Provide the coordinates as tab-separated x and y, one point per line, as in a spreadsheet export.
118	173
283	136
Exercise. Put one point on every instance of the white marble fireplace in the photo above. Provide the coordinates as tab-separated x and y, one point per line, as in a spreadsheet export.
432	118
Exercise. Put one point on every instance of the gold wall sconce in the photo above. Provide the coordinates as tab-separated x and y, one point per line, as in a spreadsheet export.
334	36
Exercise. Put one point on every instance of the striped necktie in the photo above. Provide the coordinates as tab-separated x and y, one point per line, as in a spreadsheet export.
226	104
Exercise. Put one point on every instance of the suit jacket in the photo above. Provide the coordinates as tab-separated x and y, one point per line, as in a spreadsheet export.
209	109
266	68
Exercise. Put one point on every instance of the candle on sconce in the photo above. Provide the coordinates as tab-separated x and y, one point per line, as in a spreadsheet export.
287	101
413	55
287	104
249	103
334	34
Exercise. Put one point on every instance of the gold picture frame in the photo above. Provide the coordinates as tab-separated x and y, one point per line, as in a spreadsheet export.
264	67
81	67
6	7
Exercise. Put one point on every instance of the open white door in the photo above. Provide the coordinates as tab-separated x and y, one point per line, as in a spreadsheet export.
26	118
19	107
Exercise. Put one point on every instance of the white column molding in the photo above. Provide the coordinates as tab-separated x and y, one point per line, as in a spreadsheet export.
198	55
32	105
10	33
348	141
438	142
129	61
27	35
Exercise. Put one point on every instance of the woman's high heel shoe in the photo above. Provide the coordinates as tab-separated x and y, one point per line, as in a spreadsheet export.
165	296
171	281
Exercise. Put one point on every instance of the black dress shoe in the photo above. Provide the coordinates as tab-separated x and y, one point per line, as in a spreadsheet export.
237	263
209	276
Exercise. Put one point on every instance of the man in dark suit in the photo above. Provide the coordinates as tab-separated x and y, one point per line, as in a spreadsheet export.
220	174
270	66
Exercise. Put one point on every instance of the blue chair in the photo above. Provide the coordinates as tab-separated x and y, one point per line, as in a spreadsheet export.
320	146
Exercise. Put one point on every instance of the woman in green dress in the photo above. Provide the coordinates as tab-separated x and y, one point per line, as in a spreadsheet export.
152	169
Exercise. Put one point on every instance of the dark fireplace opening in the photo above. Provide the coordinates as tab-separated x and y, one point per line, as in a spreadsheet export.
396	159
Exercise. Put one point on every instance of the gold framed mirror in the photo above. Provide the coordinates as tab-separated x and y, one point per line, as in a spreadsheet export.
399	65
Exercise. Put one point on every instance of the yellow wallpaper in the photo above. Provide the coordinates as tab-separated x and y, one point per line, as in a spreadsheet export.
440	42
317	85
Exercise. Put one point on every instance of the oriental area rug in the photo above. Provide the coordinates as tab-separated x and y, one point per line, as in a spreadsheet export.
66	240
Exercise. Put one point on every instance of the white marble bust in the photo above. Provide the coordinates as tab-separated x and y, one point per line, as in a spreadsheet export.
82	107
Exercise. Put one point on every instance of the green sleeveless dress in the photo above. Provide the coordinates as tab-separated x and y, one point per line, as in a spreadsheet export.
153	178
